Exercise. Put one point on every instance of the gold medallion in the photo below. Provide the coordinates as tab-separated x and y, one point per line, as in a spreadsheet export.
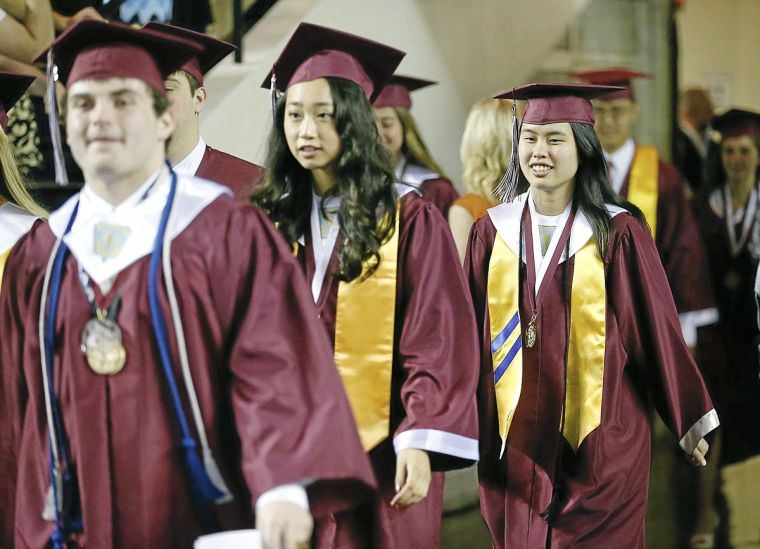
530	333
101	344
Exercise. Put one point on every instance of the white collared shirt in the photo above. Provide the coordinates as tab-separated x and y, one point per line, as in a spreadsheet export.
190	164
324	234
619	163
542	261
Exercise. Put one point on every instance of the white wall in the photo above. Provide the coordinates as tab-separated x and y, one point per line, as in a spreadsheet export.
472	48
719	49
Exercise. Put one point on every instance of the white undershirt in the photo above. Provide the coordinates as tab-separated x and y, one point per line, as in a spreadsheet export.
2	14
619	163
190	164
324	233
541	261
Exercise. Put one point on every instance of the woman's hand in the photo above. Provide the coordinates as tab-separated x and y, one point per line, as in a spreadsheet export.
697	457
412	477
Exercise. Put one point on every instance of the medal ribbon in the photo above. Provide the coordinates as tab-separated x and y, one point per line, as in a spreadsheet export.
748	218
536	297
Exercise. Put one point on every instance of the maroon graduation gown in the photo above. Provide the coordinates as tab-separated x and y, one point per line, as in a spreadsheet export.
645	353
272	402
735	350
231	171
440	192
677	237
434	379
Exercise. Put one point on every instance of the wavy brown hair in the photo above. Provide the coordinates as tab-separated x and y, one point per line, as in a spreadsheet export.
364	179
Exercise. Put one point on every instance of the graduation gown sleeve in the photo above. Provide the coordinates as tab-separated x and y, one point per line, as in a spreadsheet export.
652	338
437	345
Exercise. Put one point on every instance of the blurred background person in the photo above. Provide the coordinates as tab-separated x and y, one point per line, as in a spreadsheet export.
727	214
187	150
398	131
18	210
695	109
485	150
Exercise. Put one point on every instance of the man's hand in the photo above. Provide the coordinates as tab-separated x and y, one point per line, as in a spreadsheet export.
284	525
697	457
412	477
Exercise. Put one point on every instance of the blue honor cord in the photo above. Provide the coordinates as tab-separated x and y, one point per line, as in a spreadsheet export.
203	491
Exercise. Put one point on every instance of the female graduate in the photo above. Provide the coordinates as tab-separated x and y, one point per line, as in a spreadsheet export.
727	216
384	276
577	326
398	131
18	210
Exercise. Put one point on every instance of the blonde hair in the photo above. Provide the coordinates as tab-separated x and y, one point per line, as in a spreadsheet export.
11	184
414	147
486	146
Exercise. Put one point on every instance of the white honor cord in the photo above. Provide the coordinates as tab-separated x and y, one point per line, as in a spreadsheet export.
208	459
43	363
749	216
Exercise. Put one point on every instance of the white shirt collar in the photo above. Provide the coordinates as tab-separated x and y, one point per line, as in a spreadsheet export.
14	223
138	216
506	218
190	164
322	247
620	163
540	260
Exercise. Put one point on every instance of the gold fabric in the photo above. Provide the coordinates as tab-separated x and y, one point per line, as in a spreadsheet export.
3	259
739	483
585	362
506	336
585	367
364	333
643	183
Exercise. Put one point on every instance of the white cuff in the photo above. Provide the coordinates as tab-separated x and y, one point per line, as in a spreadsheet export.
433	440
696	319
707	423
291	493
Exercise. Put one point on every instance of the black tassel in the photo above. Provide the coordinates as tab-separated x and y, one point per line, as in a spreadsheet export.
507	187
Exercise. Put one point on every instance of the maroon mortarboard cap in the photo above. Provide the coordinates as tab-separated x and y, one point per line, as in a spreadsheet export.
213	50
318	52
550	103
12	87
397	92
612	77
736	123
95	50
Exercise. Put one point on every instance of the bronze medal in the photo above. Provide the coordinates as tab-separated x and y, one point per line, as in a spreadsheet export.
102	345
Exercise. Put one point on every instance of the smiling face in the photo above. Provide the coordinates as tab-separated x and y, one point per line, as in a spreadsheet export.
390	130
548	156
113	130
309	126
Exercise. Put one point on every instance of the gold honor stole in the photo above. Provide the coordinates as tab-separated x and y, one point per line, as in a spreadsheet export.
585	366
643	183
3	260
364	334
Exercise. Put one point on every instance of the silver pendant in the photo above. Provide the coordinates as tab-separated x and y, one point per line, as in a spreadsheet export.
530	333
102	346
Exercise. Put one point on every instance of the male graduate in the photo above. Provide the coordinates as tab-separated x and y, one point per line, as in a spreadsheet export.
638	174
151	385
187	150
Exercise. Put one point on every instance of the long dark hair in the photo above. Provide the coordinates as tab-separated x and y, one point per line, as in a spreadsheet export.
592	186
364	179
